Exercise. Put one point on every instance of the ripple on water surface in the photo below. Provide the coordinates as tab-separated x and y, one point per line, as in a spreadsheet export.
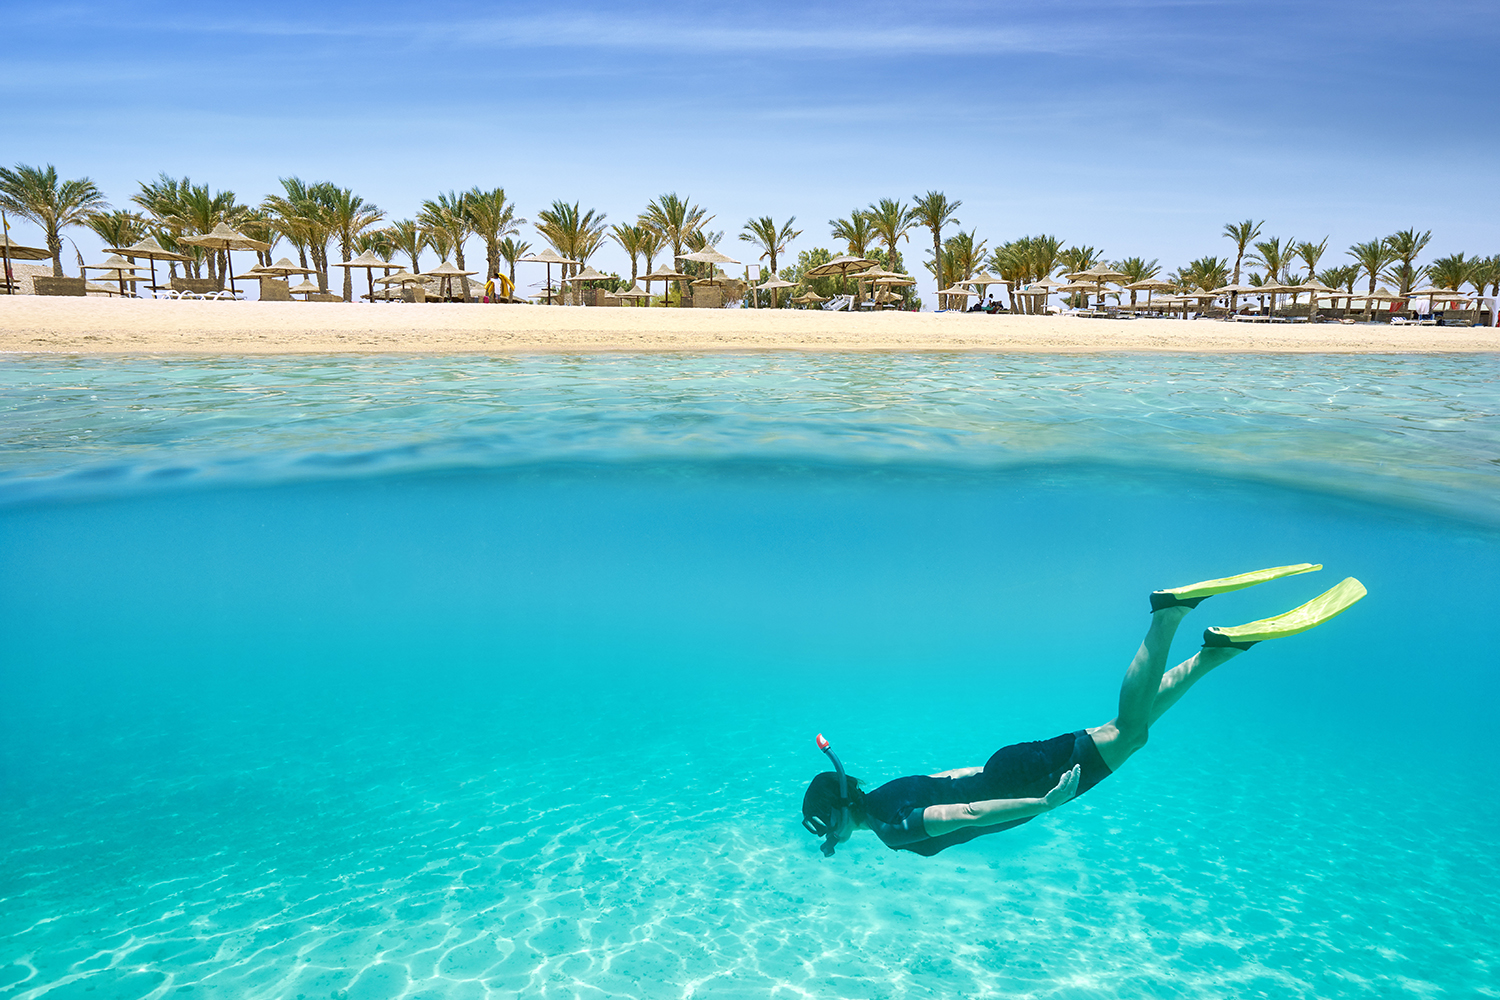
1404	429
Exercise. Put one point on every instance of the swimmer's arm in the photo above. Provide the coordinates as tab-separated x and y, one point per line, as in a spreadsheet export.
946	818
957	772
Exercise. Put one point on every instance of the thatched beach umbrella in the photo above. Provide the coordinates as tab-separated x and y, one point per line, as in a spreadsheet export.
370	262
10	251
1099	275
842	266
1434	294
308	287
226	239
445	273
549	257
664	273
148	249
587	274
635	292
1147	285
809	298
116	268
772	285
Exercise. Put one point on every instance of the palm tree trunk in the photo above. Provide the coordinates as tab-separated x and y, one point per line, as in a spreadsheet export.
937	263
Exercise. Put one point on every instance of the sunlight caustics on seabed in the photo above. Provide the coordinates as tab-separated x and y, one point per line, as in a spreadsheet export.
314	690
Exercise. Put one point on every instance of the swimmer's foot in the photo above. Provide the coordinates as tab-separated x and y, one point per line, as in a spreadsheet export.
1315	612
1193	593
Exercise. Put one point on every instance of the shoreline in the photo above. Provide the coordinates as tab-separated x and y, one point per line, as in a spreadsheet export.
47	325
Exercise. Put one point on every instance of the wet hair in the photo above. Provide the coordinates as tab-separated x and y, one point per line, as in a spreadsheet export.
822	797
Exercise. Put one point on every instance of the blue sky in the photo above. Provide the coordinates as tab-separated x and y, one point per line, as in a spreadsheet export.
1133	126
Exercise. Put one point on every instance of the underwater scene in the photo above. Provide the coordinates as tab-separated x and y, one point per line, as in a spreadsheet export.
476	677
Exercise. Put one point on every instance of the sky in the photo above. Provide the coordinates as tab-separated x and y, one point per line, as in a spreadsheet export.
1134	126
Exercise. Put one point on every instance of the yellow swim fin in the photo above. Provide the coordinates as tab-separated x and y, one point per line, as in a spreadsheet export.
1315	612
1195	592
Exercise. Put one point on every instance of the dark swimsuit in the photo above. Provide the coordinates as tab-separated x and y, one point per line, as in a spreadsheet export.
1019	771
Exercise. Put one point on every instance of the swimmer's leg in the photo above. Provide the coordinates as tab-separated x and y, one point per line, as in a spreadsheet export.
1127	732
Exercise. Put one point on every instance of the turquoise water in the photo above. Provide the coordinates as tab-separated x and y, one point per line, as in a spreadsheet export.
469	677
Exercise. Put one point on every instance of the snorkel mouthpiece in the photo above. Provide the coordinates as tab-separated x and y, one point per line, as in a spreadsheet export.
836	818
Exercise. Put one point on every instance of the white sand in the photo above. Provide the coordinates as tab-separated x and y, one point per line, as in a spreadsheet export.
101	326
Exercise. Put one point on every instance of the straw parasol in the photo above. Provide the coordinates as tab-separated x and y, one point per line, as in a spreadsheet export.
549	257
809	298
308	287
664	273
587	274
1148	285
369	262
842	266
635	292
772	285
1312	286
1433	294
10	251
226	239
117	268
1098	276
148	249
445	273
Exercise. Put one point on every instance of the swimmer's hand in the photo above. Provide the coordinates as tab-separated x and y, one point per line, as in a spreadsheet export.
1067	787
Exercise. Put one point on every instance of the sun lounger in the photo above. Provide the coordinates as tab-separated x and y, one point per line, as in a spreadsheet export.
839	302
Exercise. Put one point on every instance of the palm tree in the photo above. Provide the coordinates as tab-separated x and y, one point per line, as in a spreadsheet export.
675	219
855	231
1075	259
119	228
574	233
629	238
771	240
37	195
513	250
1452	271
935	211
1310	253
1485	271
301	214
1371	257
258	224
491	218
348	216
892	221
1137	269
1404	247
162	201
1275	255
650	243
960	258
1243	233
409	238
446	214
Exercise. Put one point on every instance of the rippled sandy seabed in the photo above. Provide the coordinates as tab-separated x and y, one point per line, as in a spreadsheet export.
499	677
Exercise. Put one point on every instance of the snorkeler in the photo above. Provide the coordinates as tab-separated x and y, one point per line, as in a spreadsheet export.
926	814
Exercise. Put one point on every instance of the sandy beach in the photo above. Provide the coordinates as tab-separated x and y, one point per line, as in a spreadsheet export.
104	326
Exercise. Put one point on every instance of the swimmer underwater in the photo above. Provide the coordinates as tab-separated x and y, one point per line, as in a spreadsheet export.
929	813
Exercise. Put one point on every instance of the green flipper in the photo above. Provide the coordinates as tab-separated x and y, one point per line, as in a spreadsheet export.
1194	593
1210	587
1315	612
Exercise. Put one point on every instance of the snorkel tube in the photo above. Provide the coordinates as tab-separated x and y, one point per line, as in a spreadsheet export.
836	818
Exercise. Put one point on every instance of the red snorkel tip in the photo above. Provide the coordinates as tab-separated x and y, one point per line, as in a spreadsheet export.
822	743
